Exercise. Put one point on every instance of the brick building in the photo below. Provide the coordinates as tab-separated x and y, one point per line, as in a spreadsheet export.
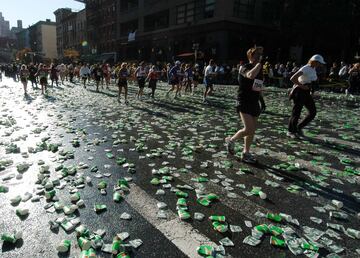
71	31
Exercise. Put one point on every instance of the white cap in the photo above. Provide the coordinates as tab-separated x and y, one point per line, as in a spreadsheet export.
178	63
318	58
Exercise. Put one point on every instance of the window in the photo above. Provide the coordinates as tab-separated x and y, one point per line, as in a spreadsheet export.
270	11
244	9
126	5
185	13
209	8
156	21
204	9
152	2
195	10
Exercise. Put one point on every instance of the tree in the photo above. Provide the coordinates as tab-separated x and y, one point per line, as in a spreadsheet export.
22	54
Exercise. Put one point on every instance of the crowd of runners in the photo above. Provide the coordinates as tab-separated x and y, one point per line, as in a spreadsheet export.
183	78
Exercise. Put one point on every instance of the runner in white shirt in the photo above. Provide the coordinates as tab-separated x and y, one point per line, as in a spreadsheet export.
301	96
209	77
84	73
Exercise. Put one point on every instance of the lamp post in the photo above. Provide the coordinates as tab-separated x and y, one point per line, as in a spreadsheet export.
196	49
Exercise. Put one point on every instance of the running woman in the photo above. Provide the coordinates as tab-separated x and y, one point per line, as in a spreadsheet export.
173	78
32	75
43	74
301	95
54	75
77	72
248	102
84	73
123	75
24	74
209	78
97	75
107	74
181	77
70	70
152	78
62	70
140	74
188	79
196	77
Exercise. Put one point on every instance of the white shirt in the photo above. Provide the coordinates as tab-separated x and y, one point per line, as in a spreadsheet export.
140	72
208	70
84	71
343	71
309	74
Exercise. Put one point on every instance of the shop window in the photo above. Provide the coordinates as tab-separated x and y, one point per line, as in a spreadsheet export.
244	9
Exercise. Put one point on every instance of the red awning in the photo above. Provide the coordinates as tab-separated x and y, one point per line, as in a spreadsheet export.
185	54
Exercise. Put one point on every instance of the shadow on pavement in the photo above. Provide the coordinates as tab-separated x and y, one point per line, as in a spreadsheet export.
350	203
332	146
103	92
6	247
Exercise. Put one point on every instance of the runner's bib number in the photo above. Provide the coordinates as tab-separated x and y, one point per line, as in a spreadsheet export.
258	85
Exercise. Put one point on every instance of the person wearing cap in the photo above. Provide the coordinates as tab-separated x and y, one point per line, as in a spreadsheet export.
174	78
251	82
301	95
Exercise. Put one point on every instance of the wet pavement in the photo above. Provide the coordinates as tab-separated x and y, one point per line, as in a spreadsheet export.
166	149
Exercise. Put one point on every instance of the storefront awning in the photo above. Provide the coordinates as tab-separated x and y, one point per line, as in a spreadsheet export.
185	54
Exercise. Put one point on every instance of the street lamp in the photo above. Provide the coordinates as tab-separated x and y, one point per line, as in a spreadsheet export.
196	49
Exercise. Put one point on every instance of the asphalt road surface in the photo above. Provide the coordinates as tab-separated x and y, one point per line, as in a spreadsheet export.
166	149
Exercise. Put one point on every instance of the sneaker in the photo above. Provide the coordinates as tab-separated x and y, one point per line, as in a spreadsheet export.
248	158
292	135
230	146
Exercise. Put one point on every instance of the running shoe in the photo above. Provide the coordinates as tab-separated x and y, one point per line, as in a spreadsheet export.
248	158
230	146
292	135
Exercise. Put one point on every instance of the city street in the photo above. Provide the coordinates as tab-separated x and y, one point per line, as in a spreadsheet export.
161	156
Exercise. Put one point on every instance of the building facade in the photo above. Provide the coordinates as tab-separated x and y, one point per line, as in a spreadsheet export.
15	30
223	29
42	38
220	29
71	32
22	39
164	29
4	27
101	27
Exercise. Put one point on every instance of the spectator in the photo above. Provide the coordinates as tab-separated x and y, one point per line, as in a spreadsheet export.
344	71
354	80
334	72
